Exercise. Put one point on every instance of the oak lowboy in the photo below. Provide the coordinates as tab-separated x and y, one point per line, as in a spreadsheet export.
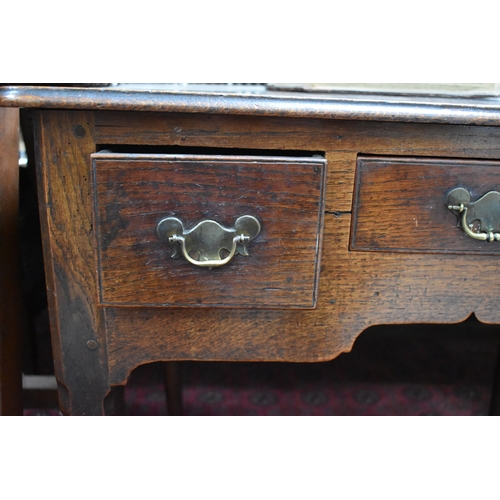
198	226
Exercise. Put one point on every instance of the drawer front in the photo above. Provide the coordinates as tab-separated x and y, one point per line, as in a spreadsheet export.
401	204
133	193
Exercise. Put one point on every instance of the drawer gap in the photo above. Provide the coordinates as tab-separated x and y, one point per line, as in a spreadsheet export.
145	149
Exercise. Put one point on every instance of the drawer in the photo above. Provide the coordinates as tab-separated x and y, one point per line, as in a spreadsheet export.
401	205
207	199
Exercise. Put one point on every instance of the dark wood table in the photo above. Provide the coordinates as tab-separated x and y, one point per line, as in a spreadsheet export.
149	198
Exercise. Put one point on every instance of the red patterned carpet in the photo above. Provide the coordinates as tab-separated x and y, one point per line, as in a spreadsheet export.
401	370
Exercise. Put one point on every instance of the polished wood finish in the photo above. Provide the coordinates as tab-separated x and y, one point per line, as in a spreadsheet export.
134	192
400	204
10	272
343	107
97	344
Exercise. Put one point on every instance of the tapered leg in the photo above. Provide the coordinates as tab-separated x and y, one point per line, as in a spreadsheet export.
173	386
79	343
10	288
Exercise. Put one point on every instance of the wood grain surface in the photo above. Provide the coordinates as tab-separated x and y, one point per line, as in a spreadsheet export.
340	141
11	400
400	204
368	108
134	192
357	289
64	145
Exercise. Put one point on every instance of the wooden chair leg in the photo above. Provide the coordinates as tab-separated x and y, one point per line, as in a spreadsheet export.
494	409
173	386
11	401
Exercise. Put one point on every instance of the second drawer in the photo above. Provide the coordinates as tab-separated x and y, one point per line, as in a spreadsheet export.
401	204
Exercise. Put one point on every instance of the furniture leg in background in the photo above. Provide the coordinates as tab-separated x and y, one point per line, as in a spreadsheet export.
10	290
173	386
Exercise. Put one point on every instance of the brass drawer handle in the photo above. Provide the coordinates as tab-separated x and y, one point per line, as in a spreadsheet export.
208	239
486	210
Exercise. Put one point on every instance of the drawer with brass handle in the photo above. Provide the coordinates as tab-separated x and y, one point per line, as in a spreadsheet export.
201	230
426	205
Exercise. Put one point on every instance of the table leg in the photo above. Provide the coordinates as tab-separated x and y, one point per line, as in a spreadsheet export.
173	386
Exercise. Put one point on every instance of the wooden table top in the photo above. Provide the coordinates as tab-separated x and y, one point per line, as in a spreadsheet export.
258	100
